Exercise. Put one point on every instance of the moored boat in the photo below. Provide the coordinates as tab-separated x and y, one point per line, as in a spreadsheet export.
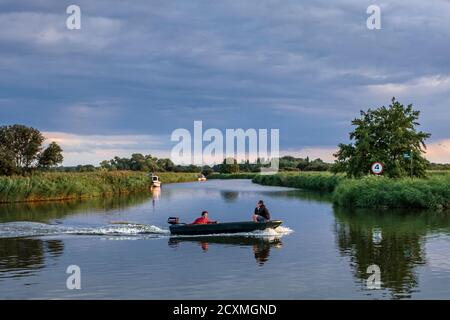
155	180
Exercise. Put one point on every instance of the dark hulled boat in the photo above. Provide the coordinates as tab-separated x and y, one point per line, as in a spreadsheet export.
227	227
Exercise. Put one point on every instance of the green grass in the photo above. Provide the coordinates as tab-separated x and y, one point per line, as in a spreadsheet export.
380	192
370	192
63	185
314	181
244	175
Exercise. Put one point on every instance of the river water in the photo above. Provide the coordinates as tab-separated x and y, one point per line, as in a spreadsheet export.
124	250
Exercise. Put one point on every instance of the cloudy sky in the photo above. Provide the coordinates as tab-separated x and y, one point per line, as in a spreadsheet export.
138	70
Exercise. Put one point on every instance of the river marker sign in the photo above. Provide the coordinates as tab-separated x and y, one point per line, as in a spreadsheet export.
377	168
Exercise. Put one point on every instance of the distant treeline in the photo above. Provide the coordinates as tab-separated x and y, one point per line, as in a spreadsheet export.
149	163
439	166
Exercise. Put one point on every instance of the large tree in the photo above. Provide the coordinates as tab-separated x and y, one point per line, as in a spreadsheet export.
21	149
388	135
51	156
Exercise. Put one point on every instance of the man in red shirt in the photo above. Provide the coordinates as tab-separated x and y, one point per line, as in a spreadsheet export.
203	219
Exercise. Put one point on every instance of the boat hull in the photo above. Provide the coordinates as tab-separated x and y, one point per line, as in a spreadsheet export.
228	227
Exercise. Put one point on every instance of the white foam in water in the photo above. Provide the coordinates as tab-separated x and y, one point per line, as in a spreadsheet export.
125	229
34	229
27	229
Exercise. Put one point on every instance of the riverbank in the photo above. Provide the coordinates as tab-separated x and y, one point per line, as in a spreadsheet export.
64	186
370	192
245	175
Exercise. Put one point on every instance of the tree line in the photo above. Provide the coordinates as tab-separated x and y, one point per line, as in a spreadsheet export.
388	135
22	151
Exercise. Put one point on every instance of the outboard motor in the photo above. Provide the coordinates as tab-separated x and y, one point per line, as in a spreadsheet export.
173	220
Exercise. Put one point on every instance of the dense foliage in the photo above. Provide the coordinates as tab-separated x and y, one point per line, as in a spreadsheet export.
315	181
387	135
381	192
21	150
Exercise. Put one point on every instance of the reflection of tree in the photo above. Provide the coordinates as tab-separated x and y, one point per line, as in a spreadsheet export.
398	252
261	246
229	195
45	211
22	257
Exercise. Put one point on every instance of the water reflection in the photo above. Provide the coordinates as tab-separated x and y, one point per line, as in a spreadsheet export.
24	257
260	246
229	196
393	240
54	210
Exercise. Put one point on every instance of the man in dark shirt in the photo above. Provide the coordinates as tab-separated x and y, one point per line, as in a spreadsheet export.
261	213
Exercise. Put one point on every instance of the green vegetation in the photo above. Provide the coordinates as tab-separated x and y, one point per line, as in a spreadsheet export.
229	165
176	177
147	163
21	150
381	192
314	181
244	175
387	135
370	192
60	186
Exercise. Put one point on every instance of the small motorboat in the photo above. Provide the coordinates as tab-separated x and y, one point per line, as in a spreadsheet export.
201	178
178	228
155	180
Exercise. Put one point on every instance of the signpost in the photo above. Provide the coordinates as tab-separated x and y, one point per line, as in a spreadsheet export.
409	156
377	168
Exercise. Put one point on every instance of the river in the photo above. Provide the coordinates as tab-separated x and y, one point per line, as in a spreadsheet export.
124	250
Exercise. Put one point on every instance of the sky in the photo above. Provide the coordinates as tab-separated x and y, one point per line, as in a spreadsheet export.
138	70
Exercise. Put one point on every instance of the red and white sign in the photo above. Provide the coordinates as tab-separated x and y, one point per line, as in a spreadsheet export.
377	168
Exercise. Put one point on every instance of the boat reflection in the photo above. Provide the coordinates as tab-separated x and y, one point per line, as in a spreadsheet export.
156	195
261	246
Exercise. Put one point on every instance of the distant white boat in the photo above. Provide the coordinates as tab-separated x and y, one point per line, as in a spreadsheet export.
155	180
201	178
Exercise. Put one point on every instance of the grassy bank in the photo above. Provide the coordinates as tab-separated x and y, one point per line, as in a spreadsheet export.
370	192
61	186
380	192
233	175
314	181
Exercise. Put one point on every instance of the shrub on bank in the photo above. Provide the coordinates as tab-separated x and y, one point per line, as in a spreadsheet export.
304	180
248	175
370	191
381	192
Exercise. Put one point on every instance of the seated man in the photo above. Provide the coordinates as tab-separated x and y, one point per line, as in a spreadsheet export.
203	219
261	213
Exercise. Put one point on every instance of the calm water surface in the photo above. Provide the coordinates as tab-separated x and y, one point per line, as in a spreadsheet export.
124	250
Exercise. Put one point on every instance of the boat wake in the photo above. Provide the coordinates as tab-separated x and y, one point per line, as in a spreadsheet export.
125	230
34	229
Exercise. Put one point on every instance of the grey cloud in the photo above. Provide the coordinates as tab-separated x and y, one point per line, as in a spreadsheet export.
148	67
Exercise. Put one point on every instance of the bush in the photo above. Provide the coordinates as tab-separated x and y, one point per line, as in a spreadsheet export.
310	181
381	192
